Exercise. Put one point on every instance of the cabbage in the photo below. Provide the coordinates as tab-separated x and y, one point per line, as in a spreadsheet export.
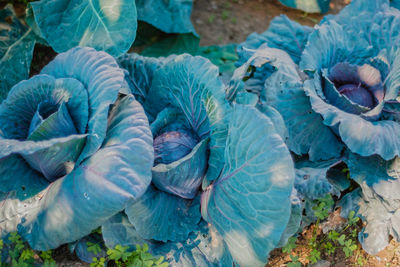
339	102
72	154
205	149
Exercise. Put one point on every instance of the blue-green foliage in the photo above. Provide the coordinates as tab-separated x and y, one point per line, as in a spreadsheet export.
171	16
251	224
68	159
16	50
105	25
203	145
337	90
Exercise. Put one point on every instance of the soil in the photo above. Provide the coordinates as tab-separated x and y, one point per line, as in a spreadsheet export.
231	21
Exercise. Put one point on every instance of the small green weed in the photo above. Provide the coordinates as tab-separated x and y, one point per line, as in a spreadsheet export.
122	256
344	240
21	255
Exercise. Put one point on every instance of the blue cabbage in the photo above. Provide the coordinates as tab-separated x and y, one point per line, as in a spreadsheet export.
16	50
105	25
68	160
171	16
185	103
311	6
350	88
275	80
205	146
351	84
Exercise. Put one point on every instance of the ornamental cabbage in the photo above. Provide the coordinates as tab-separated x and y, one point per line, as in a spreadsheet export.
340	101
209	155
72	153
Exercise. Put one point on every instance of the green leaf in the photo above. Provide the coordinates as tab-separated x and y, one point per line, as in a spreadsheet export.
291	244
174	44
342	240
223	56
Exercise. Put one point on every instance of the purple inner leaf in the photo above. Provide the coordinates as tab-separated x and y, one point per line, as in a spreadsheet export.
173	145
358	94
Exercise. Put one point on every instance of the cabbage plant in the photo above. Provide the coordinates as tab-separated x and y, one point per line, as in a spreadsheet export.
336	87
209	156
72	152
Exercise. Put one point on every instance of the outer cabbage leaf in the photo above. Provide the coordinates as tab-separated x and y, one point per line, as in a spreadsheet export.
119	231
105	25
102	78
204	247
29	182
54	141
139	73
171	16
283	90
283	33
379	204
164	217
311	6
249	204
334	44
312	179
191	85
379	23
296	215
98	188
16	50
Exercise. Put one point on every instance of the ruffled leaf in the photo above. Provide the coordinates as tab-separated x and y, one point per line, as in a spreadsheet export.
102	78
378	202
283	90
330	44
283	33
361	136
17	111
101	186
140	73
